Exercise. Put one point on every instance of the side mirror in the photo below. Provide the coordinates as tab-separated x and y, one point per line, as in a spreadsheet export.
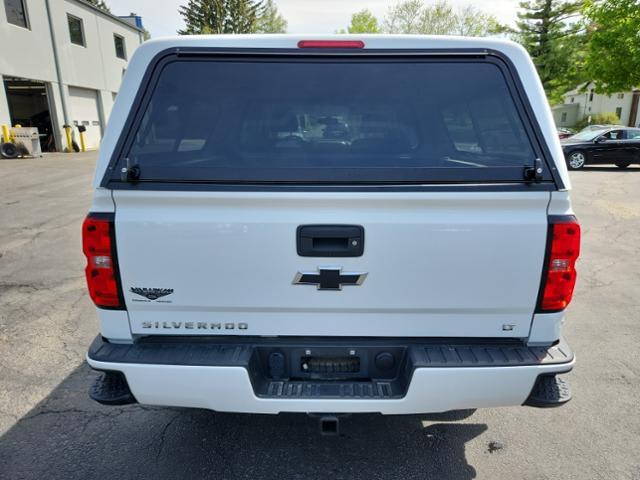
600	140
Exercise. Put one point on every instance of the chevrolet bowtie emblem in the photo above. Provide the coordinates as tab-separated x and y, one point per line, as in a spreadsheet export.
329	278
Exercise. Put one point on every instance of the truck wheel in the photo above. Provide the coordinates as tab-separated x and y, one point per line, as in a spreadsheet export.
576	160
622	164
9	150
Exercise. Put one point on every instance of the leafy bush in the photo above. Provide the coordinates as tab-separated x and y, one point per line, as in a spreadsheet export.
605	118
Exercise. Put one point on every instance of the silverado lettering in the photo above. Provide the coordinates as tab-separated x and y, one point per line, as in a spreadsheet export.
199	325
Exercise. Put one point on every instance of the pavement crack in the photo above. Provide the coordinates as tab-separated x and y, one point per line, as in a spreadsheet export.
10	286
163	434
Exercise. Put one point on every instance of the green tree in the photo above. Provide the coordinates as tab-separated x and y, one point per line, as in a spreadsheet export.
471	22
201	16
220	16
440	18
554	36
100	4
405	17
363	22
271	21
613	55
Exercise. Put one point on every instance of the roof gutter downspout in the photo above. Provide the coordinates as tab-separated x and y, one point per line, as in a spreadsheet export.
635	104
56	59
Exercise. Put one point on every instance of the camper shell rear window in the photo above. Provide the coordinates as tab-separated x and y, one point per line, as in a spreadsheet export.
268	119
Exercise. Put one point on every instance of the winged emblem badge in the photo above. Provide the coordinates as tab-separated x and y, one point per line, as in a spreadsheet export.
152	293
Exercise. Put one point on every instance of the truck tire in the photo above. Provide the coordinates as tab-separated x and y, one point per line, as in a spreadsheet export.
9	150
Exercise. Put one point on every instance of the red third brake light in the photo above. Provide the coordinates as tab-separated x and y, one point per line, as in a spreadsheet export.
564	248
330	44
99	248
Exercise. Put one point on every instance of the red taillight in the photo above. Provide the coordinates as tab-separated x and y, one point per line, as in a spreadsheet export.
564	248
98	246
330	44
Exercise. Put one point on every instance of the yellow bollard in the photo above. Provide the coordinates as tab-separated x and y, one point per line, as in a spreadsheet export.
83	146
67	131
6	136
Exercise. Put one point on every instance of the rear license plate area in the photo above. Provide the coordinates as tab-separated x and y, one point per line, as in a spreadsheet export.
317	362
319	365
328	363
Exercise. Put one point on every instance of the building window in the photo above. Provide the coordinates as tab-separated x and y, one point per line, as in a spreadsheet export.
591	95
121	52
76	30
563	118
621	96
573	99
16	13
619	113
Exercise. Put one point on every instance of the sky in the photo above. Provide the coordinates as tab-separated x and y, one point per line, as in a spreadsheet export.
161	17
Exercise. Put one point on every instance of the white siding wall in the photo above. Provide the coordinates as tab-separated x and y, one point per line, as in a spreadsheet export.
606	103
568	112
28	53
599	104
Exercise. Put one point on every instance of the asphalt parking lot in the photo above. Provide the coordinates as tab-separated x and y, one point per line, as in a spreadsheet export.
50	429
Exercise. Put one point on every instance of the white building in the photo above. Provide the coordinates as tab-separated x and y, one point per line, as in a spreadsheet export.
61	63
583	102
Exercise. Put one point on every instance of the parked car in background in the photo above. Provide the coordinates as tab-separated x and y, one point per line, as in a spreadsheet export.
593	128
564	133
619	146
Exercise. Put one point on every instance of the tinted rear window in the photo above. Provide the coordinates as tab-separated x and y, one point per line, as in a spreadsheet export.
326	120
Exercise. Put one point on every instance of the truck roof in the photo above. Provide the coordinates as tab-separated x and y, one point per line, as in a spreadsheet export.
515	53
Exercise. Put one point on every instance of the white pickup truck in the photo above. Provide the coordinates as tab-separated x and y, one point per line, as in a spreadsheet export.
334	224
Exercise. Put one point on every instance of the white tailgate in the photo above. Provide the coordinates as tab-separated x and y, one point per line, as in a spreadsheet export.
443	264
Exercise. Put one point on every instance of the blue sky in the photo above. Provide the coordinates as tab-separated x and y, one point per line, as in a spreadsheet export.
160	17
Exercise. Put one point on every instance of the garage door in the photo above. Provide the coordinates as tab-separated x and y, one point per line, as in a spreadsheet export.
85	111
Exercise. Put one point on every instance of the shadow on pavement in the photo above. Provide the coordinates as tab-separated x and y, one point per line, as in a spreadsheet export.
69	436
600	168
